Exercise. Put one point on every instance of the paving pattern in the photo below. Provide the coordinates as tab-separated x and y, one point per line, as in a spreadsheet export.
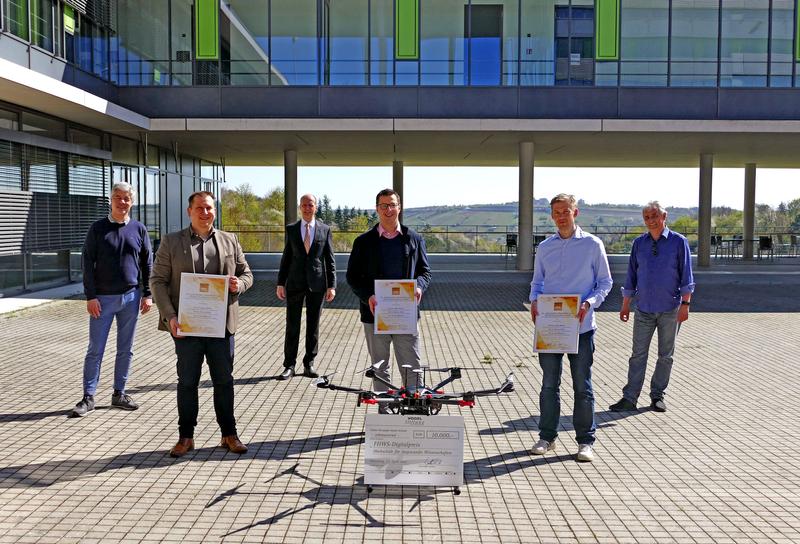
719	466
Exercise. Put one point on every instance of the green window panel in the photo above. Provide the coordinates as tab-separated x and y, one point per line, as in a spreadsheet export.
16	17
797	35
206	29
406	29
607	29
69	20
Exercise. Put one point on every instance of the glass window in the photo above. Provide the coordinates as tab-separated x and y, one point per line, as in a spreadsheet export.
142	49
245	41
493	44
537	58
42	24
181	42
10	166
42	169
346	28
442	44
150	202
644	29
124	150
745	24
381	45
9	120
15	17
694	43
781	57
86	176
294	42
82	137
43	126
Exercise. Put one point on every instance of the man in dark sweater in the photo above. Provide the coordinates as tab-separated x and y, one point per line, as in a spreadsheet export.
117	261
388	251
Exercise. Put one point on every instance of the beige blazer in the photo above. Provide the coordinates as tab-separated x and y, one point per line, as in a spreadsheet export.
174	256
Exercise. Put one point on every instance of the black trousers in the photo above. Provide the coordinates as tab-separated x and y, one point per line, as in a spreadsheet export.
218	353
294	310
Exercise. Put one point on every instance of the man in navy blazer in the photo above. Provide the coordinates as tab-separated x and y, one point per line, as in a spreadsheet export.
307	273
388	251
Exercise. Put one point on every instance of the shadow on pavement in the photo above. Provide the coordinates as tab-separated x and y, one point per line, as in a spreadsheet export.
531	423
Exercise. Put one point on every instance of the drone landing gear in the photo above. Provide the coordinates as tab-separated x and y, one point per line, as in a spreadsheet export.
370	489
456	491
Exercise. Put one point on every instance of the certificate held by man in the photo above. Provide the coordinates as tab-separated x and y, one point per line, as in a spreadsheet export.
395	307
557	324
203	305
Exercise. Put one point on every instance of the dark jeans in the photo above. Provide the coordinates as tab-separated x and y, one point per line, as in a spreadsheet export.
218	353
294	311
580	365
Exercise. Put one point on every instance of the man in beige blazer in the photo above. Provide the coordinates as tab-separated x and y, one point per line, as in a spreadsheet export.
201	249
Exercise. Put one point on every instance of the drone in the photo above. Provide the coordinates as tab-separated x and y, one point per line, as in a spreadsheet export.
418	399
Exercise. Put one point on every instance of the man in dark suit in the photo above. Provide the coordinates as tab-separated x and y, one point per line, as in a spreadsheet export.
307	273
201	249
388	251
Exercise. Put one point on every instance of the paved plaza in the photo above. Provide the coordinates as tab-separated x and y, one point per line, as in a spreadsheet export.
721	465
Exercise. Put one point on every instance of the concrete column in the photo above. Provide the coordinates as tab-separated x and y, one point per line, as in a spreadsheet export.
397	184
290	186
525	240
704	211
749	215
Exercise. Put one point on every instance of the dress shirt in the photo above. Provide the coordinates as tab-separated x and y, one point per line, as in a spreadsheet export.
658	281
303	224
383	233
573	265
205	256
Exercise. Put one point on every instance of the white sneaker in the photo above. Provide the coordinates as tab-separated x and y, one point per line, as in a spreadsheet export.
543	446
585	453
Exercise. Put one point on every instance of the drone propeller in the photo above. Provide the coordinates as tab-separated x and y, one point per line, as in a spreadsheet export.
376	366
323	379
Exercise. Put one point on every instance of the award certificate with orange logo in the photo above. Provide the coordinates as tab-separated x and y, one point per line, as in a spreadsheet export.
395	307
203	305
557	324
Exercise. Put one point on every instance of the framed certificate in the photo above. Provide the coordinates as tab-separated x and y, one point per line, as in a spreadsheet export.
557	324
396	307
203	305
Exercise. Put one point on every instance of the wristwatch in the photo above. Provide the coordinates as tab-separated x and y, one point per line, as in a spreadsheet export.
685	303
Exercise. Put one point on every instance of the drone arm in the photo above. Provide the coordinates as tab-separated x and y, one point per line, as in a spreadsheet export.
455	374
371	374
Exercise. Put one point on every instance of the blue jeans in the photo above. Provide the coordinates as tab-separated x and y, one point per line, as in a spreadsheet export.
126	309
644	325
580	365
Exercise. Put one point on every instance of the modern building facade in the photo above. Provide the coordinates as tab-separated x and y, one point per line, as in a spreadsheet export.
164	93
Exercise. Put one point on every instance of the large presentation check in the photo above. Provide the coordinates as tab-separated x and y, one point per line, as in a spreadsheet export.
203	305
396	307
414	450
557	324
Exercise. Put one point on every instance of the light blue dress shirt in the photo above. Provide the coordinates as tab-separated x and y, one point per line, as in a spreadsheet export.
573	265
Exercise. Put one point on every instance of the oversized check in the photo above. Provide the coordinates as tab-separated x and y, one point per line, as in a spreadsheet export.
203	305
414	450
396	307
557	324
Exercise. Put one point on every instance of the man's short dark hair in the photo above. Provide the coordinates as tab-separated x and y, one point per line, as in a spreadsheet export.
200	194
387	192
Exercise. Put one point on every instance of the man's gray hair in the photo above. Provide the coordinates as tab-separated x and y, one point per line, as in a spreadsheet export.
125	187
654	205
564	197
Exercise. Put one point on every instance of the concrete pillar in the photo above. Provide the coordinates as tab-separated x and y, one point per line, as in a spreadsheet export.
525	240
290	186
397	184
749	216
704	211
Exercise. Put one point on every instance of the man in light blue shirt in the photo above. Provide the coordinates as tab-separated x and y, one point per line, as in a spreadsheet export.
660	278
570	261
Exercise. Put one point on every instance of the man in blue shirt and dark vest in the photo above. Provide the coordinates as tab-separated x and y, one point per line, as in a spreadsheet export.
388	251
660	278
570	261
117	261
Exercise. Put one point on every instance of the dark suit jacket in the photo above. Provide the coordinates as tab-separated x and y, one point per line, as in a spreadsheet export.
315	271
175	256
363	268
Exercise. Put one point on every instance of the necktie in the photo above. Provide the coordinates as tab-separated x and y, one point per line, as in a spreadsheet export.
307	239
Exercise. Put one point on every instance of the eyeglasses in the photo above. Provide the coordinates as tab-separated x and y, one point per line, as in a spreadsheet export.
391	206
654	249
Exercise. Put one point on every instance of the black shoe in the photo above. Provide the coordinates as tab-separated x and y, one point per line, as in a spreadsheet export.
309	371
123	401
623	405
287	373
85	406
658	405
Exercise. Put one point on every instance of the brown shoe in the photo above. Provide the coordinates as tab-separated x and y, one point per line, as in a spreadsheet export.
233	444
184	446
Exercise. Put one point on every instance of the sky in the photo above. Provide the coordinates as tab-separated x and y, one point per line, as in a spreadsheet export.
430	186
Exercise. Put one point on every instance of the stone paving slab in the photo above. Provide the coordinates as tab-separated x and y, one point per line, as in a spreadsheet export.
719	466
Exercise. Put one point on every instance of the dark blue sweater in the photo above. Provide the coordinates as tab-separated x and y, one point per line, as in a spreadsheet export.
116	258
